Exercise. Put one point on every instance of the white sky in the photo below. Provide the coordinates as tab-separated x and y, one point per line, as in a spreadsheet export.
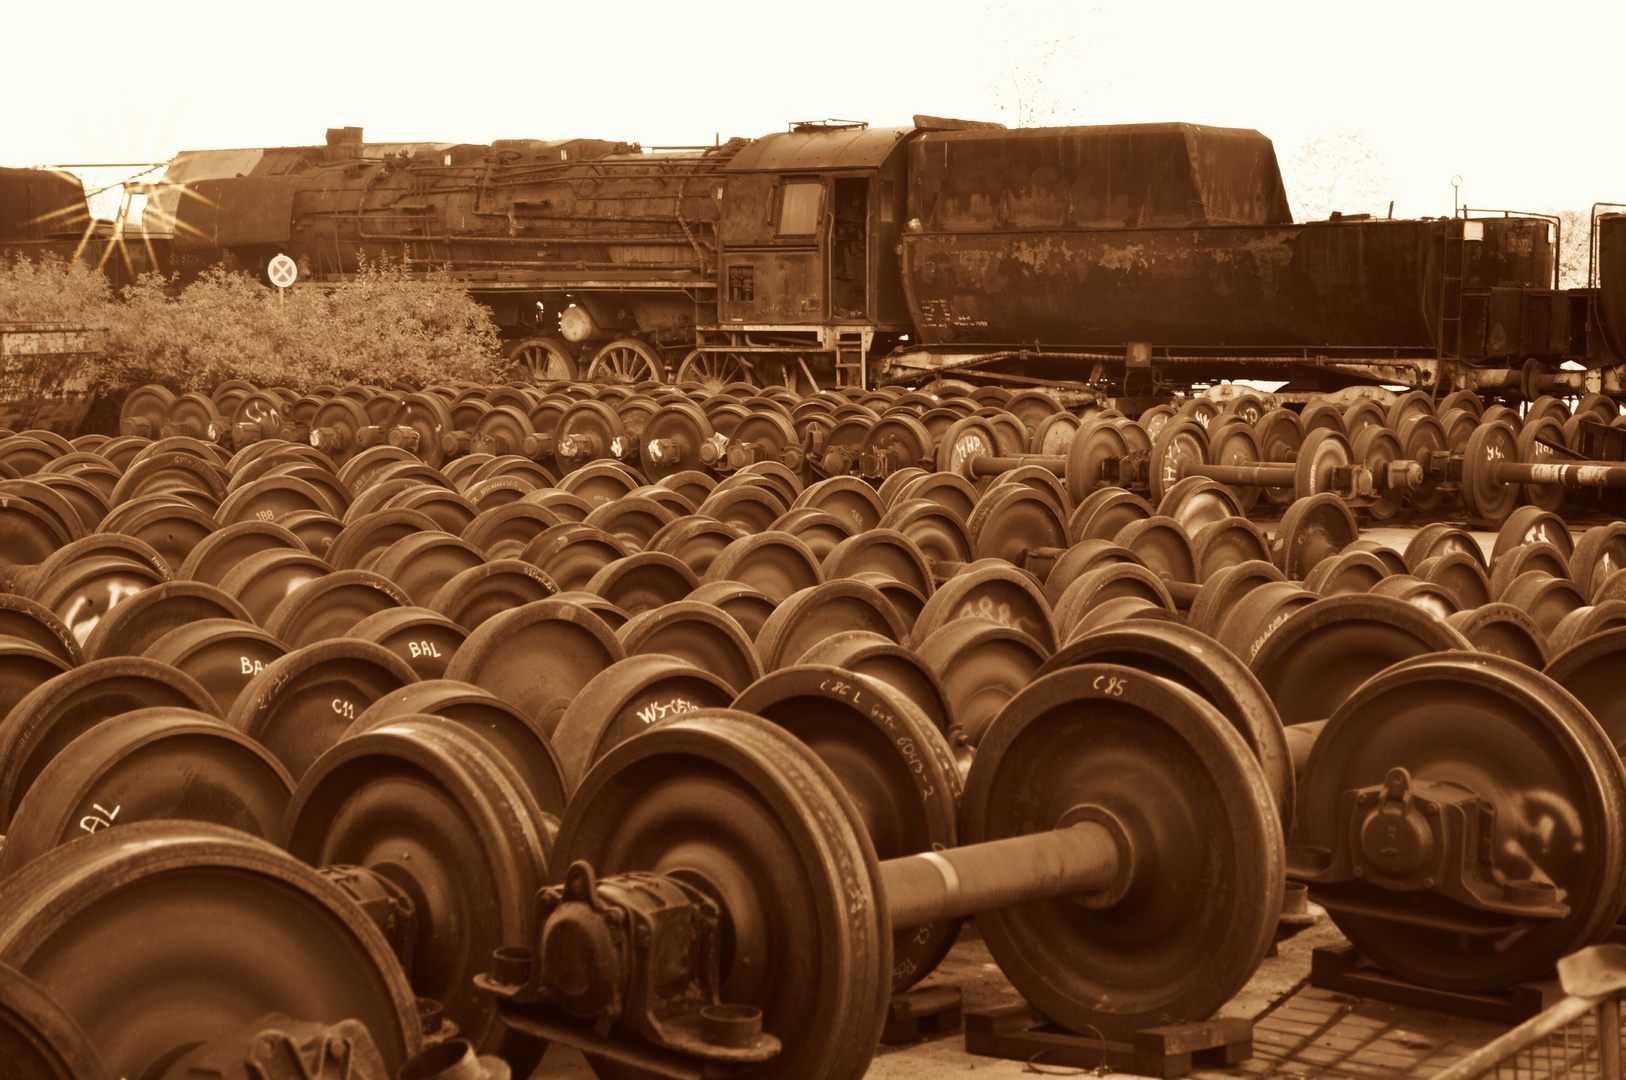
1522	100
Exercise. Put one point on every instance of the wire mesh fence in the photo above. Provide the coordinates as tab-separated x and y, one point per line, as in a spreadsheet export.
1578	1037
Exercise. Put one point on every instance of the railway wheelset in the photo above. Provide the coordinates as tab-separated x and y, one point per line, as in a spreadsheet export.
687	730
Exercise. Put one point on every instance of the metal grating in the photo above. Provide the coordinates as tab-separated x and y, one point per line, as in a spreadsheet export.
1319	1034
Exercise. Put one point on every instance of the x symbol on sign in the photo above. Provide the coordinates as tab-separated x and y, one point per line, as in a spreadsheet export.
282	271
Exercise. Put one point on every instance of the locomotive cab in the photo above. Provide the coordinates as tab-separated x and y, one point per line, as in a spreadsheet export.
809	230
808	240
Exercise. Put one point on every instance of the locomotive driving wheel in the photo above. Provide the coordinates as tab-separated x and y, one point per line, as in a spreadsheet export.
546	358
713	370
626	360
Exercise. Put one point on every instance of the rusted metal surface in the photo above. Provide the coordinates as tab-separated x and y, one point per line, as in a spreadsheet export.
1134	176
241	210
45	375
1373	284
832	148
37	204
1610	319
485	212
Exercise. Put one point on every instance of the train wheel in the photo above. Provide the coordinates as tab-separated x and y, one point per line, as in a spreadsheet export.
546	358
208	929
1537	755
712	370
626	360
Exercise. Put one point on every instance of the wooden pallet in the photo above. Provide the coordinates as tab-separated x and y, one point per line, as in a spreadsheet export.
1344	970
1020	1033
933	1010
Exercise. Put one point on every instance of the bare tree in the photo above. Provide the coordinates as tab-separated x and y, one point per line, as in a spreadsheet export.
1336	170
1574	235
1038	68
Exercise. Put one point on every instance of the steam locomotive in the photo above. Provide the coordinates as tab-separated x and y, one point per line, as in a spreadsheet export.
1137	259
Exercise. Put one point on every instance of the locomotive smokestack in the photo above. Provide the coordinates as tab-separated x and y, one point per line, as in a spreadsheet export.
343	144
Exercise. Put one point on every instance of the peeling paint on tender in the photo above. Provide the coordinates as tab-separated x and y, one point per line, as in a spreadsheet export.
977	262
1125	258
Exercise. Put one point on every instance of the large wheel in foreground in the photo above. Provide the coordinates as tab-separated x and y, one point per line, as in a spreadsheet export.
158	935
38	1040
739	808
421	801
1186	927
1522	746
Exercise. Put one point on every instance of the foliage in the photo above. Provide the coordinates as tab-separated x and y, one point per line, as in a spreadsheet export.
50	290
1574	242
419	331
381	327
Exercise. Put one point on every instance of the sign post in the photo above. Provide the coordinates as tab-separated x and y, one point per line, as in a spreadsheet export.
283	272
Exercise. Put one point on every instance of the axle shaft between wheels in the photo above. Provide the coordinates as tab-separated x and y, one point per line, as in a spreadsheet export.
1081	858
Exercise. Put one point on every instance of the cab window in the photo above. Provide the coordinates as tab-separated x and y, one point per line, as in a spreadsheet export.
799	207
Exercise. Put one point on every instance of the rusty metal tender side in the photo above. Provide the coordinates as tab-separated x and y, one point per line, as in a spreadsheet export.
1172	246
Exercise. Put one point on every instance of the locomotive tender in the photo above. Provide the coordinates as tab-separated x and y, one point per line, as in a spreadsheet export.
1138	259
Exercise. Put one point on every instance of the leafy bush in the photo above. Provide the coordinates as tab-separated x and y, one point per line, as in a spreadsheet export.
381	327
50	290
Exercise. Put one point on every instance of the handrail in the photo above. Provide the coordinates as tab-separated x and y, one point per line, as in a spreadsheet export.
1593	978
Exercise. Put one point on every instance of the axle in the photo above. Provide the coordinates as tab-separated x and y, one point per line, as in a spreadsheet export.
1580	474
1082	858
988	465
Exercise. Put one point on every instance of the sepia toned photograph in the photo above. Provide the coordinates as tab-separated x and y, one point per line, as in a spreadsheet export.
875	541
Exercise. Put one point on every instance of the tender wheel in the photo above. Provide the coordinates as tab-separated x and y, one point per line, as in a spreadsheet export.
38	1039
421	801
626	360
898	769
1088	456
1485	497
1319	655
1098	742
1182	444
1188	658
1324	453
713	370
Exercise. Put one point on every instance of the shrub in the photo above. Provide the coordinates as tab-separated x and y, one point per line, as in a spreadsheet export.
383	326
51	290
